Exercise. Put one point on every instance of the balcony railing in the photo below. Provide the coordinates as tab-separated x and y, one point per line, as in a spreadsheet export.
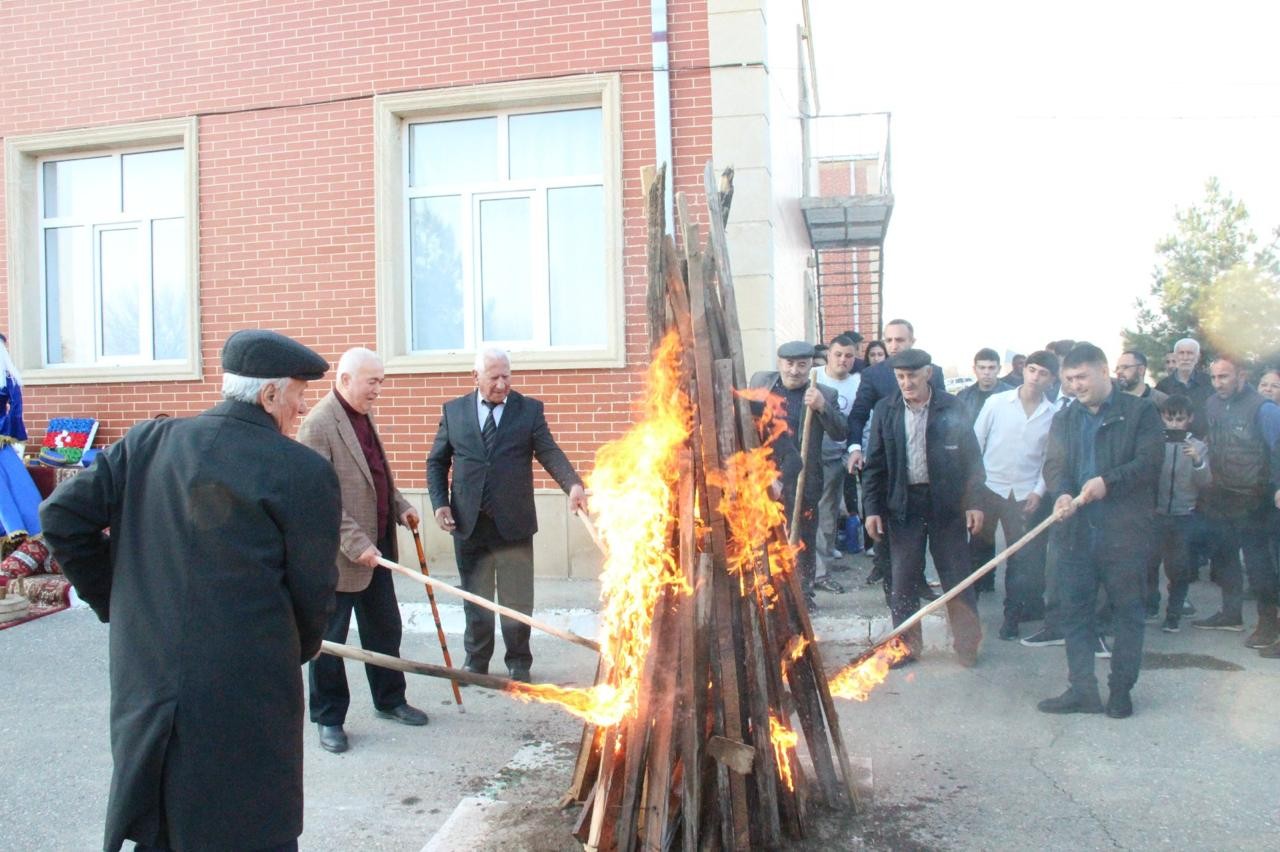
848	155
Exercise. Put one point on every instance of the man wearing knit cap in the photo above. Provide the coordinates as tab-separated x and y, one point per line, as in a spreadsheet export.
921	484
217	580
790	384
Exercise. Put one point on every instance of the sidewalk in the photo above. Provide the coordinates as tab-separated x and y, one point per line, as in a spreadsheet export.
961	758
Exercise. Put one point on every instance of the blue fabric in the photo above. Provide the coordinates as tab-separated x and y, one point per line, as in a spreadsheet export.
11	407
1269	423
19	498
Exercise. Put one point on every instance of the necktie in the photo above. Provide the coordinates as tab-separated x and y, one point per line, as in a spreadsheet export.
490	431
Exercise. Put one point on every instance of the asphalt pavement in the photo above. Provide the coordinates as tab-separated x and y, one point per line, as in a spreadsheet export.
961	758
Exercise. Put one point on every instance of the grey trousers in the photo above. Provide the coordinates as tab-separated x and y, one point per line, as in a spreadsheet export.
829	506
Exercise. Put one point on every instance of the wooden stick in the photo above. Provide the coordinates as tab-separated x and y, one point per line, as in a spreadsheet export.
794	534
435	611
591	530
413	666
490	605
958	588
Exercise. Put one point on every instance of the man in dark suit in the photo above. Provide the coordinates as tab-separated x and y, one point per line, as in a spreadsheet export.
921	483
341	429
488	439
217	579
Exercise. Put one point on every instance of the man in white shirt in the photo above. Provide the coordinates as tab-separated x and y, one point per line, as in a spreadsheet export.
1013	431
836	374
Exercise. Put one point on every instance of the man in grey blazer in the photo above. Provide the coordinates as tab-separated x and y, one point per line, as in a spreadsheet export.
480	477
341	429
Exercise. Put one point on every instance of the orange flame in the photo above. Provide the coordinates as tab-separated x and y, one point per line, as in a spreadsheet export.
856	681
784	741
747	504
633	492
795	648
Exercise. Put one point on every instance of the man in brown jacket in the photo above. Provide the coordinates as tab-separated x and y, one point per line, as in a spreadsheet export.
341	429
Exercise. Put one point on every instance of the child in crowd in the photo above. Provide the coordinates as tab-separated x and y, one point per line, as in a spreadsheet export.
1184	474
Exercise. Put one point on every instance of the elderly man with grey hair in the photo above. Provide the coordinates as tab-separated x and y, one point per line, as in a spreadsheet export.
341	429
1189	380
480	477
217	580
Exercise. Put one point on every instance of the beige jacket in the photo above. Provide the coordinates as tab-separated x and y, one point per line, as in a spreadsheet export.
327	430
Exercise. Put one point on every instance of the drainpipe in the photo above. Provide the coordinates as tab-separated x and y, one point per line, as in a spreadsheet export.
662	100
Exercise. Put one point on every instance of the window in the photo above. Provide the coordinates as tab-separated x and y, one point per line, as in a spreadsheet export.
505	201
102	254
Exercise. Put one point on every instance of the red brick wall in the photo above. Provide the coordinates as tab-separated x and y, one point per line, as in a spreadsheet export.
283	90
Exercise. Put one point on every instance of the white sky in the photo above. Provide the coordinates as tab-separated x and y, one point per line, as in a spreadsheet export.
1039	152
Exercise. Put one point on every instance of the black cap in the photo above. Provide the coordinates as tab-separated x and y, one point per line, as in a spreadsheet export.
910	359
260	354
795	349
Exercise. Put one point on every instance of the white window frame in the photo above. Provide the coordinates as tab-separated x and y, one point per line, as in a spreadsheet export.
25	240
392	116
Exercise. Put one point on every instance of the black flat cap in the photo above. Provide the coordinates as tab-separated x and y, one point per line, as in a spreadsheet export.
795	349
260	354
910	359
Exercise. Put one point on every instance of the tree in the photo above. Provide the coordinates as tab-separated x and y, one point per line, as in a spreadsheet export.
1212	284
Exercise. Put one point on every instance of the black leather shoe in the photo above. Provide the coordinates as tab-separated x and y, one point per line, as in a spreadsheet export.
521	675
404	714
473	670
333	738
1071	702
1009	628
1119	705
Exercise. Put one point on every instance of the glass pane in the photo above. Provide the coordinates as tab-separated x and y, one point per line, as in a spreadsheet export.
169	288
81	187
453	152
118	269
505	268
547	144
153	182
68	281
575	256
435	272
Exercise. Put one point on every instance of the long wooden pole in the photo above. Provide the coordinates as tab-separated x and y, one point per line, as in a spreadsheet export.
400	664
958	588
793	535
435	611
490	605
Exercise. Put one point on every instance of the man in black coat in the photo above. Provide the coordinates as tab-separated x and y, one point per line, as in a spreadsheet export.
488	440
1107	447
921	483
790	384
217	579
877	383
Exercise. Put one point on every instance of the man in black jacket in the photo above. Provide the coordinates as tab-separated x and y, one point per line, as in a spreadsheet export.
1107	447
790	383
217	580
488	439
1243	433
921	482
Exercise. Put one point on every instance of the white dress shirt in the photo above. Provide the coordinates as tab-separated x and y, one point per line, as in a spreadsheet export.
1013	443
482	411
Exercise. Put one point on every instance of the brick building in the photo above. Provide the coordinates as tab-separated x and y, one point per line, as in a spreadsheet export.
420	178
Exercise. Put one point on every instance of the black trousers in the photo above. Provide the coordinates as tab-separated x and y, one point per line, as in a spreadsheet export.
945	536
488	563
1081	575
378	619
1024	571
1248	532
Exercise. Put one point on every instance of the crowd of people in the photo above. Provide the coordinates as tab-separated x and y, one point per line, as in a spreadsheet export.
1142	481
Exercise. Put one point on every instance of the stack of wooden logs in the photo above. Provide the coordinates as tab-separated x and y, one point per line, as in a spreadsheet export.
696	766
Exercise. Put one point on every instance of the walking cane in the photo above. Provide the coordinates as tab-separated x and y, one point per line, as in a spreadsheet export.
435	612
794	532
